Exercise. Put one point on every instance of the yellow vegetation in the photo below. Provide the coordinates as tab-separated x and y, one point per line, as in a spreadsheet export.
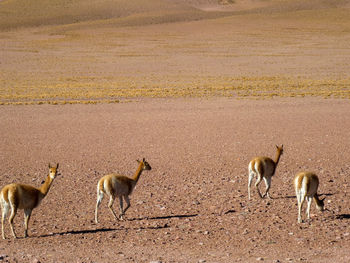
94	90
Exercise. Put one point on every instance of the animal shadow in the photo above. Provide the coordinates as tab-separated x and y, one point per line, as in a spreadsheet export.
163	217
343	216
100	230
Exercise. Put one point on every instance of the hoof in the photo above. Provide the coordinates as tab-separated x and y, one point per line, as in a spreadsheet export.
121	217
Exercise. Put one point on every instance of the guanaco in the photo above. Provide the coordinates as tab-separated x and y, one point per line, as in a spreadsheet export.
306	184
26	197
119	186
264	168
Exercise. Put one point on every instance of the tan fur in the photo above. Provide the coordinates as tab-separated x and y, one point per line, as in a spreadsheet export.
264	168
26	197
118	186
306	185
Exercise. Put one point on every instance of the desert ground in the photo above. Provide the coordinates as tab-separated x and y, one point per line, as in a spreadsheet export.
198	88
193	205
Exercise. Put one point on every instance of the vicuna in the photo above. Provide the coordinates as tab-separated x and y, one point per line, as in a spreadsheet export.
26	197
306	184
118	186
263	168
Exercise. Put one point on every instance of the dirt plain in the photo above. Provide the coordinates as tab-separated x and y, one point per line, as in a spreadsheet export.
179	75
192	205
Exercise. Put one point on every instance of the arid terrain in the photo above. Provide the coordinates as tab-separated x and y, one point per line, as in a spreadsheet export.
193	204
196	87
90	51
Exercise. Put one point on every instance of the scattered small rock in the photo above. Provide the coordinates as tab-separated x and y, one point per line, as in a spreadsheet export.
259	259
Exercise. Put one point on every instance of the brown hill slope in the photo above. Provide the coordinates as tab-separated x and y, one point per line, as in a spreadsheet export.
23	13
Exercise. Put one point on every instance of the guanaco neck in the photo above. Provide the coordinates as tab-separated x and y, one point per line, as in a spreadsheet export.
317	200
45	187
138	173
278	156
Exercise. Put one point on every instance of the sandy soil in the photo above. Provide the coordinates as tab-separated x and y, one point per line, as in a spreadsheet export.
193	205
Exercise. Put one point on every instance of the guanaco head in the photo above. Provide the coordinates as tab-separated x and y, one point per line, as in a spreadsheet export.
53	171
280	149
320	204
145	164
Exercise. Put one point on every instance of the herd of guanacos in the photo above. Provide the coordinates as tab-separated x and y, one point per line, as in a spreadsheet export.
20	196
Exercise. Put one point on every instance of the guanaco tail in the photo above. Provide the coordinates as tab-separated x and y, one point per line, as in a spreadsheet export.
264	168
119	186
26	197
306	184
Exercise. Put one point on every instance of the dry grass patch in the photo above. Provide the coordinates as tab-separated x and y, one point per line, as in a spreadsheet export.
99	90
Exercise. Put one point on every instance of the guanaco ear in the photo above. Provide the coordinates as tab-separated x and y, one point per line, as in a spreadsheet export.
57	165
49	165
143	159
138	161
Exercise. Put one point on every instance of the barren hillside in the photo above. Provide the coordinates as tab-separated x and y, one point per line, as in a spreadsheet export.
23	13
